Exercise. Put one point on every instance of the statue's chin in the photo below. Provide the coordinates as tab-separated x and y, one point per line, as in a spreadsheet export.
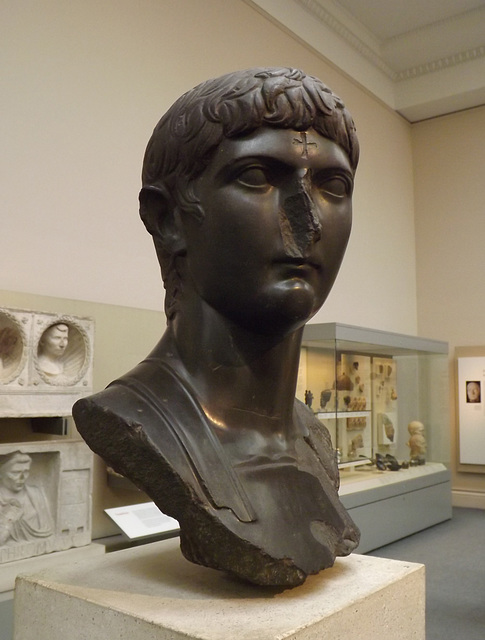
276	309
288	306
297	299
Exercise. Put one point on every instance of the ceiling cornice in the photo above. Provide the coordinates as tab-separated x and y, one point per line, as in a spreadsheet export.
430	71
351	36
461	57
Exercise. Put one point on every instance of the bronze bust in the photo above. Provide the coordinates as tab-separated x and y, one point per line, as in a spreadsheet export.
247	192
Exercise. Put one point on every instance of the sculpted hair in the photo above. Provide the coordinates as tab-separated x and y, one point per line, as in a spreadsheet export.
11	459
233	105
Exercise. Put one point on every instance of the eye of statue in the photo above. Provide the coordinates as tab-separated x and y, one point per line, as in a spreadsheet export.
254	177
338	186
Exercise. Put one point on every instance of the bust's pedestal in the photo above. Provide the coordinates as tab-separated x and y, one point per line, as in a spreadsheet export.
151	592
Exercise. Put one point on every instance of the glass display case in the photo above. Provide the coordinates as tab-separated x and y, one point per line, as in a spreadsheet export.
384	398
378	393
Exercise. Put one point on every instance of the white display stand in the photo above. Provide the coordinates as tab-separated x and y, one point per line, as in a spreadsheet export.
151	592
390	505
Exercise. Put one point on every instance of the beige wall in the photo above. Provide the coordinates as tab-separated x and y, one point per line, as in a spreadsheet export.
83	84
449	160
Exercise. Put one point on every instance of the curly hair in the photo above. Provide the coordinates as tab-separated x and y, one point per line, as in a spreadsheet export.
9	460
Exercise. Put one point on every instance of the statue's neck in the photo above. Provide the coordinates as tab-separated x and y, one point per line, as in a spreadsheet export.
242	379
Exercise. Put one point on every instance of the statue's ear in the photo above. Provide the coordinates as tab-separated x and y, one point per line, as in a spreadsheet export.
157	210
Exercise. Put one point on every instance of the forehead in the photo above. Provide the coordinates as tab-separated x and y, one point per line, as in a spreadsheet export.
306	149
20	466
15	467
57	331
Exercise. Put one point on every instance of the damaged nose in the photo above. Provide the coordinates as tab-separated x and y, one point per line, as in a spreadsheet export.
299	223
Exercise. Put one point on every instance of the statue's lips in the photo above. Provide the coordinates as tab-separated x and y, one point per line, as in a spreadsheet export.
300	266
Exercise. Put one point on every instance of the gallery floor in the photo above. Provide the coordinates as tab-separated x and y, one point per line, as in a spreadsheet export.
455	576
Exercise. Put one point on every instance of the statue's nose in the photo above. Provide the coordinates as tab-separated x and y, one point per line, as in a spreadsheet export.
299	221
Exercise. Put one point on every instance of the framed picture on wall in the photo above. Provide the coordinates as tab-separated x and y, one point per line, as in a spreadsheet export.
471	408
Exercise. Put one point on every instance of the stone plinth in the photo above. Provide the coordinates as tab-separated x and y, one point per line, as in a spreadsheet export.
152	592
10	571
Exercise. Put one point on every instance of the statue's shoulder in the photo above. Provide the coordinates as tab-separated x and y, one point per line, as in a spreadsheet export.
133	397
138	411
149	426
144	394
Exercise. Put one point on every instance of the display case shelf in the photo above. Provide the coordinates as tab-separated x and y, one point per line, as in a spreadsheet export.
344	414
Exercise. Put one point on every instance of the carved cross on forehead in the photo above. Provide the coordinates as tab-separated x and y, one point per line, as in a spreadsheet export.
305	144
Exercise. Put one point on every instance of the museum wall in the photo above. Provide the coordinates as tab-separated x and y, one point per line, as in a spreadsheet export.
449	156
84	85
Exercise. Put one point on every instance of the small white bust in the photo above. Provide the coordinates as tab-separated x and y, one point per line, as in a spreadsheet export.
52	347
417	441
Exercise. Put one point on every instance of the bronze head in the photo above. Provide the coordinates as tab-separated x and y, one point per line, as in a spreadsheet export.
189	134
